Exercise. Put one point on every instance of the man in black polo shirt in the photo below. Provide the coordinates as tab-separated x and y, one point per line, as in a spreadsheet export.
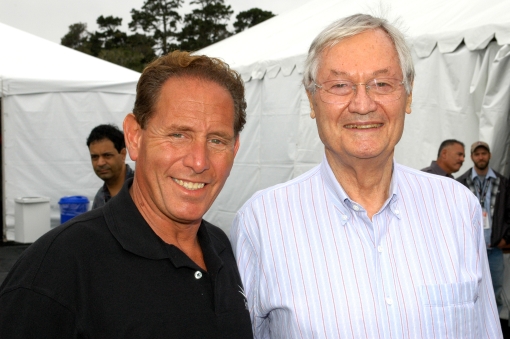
147	265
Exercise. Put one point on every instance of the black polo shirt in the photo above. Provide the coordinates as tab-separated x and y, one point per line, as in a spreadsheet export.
106	274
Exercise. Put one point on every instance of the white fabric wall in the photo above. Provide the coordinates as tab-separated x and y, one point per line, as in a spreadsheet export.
44	143
462	95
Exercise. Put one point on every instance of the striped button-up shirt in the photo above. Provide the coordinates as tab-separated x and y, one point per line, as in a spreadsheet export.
314	265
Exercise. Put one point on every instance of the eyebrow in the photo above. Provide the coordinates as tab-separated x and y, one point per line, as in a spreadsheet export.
376	73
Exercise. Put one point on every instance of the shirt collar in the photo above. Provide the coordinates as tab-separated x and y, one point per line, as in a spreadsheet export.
490	174
342	200
135	235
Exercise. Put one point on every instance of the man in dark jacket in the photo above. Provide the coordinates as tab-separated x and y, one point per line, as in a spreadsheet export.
492	190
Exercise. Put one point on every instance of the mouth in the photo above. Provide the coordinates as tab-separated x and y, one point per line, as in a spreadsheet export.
366	126
192	186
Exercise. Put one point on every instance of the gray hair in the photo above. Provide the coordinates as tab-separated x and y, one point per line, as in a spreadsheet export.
350	26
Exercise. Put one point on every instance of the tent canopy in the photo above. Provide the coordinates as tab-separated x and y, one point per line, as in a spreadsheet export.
26	56
52	96
445	24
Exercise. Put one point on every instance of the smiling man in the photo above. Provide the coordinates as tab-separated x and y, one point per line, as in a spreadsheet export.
360	246
108	156
147	265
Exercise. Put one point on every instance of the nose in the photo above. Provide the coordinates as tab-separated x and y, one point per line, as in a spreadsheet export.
197	157
101	161
361	102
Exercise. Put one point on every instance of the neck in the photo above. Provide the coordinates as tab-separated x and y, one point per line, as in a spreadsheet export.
481	171
181	235
366	181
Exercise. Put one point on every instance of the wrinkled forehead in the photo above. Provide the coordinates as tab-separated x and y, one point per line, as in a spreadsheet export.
370	53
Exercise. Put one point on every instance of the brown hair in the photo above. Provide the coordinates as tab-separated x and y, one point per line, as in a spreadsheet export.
183	64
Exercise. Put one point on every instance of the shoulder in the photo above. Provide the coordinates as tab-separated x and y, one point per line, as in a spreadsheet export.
64	246
283	188
463	177
216	233
428	181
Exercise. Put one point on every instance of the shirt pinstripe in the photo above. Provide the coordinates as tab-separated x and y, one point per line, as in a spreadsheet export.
314	265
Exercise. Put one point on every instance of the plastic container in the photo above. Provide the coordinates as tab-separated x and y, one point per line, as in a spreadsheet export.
31	218
71	206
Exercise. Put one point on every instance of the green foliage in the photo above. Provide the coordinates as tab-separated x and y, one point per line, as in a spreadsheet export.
251	17
155	30
77	37
159	19
205	25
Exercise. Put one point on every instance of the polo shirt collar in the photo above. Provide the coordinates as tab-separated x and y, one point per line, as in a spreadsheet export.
345	203
136	236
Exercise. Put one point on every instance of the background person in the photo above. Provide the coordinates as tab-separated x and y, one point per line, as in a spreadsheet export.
108	155
493	191
450	158
360	246
147	265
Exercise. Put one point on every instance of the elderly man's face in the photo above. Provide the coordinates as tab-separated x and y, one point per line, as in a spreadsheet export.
361	128
187	150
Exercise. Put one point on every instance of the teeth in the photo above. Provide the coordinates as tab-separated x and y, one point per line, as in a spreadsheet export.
363	126
190	185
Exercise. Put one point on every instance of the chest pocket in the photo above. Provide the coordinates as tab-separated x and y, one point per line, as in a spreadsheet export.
449	309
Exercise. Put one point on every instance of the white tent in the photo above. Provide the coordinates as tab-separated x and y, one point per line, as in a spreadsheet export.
461	90
52	96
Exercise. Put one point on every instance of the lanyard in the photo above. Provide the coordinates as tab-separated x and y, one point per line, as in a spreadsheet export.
482	191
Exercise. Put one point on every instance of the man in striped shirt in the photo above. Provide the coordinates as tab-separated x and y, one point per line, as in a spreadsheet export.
360	246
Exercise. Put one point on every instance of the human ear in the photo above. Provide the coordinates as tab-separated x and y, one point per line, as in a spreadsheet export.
132	135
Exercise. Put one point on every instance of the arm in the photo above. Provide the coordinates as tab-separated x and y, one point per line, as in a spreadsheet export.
27	314
247	259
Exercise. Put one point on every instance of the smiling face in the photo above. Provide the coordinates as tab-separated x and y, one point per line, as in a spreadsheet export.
362	128
185	153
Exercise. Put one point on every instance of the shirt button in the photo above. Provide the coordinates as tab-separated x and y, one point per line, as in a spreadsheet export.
379	249
397	211
355	207
344	217
198	275
389	301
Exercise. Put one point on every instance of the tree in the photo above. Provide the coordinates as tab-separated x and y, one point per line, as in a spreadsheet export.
158	18
205	25
251	17
77	37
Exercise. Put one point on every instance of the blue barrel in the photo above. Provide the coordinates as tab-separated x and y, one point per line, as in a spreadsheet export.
72	206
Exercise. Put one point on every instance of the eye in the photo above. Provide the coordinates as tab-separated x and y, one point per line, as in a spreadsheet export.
217	141
177	135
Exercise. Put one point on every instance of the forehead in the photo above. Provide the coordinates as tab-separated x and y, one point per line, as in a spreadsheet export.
480	149
370	53
190	96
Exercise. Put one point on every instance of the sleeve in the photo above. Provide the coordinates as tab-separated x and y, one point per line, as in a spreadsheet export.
27	314
245	247
486	310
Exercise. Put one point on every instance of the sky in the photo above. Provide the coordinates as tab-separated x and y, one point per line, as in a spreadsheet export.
50	19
